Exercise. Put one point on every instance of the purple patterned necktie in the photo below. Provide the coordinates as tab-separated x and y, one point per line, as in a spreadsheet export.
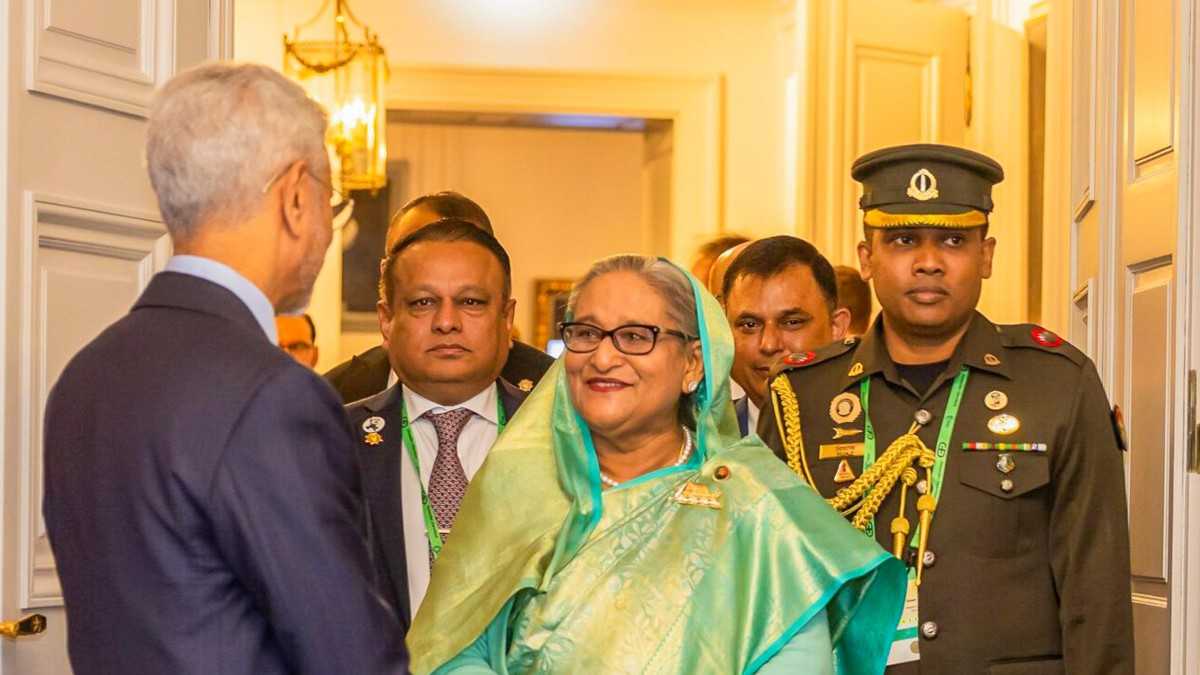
447	481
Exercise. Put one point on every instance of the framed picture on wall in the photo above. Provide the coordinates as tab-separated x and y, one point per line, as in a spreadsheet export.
550	308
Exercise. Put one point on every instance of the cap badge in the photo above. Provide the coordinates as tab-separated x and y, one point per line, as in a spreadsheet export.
845	408
923	186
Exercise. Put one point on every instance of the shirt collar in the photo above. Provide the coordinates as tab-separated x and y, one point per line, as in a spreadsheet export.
482	404
981	348
228	278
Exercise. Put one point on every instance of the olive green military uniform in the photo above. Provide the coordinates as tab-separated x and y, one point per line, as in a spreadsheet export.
1027	566
1012	452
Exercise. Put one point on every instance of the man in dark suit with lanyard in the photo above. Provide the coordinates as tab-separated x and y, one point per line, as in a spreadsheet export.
202	497
445	314
369	373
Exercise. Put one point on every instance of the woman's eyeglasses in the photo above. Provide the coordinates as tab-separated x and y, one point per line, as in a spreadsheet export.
633	338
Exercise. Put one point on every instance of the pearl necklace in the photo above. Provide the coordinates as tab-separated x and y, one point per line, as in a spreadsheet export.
684	453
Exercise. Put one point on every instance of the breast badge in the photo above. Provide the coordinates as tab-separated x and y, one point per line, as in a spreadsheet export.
844	473
1004	424
845	408
996	400
373	425
373	438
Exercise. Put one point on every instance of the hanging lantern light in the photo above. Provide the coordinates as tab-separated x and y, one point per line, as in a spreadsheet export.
347	76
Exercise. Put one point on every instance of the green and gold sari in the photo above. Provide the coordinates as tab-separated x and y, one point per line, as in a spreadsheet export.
708	567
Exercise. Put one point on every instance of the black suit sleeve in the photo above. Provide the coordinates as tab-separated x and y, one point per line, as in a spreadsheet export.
1089	538
289	518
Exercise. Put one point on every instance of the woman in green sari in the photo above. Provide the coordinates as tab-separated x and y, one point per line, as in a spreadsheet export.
620	524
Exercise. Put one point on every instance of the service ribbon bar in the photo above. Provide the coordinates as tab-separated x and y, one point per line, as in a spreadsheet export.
1008	447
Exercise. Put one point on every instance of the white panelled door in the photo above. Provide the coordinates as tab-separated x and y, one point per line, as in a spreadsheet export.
82	235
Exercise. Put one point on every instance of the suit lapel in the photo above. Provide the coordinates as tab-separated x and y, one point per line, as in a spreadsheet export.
380	466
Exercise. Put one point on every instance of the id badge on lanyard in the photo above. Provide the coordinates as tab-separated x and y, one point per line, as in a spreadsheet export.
905	647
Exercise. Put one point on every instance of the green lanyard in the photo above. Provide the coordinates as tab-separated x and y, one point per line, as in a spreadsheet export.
943	441
431	529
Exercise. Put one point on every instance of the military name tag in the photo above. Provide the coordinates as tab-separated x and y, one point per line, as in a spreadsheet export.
840	450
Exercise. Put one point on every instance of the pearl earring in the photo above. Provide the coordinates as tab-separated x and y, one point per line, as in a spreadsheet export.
692	387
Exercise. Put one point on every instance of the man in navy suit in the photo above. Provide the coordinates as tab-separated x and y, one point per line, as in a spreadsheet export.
446	313
201	492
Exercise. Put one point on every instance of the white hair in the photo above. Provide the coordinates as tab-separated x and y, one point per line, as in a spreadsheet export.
218	133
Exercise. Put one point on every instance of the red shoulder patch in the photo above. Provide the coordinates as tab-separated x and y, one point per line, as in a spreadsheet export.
1045	338
799	359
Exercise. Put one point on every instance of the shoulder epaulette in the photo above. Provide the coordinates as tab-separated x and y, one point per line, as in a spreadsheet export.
1032	336
812	358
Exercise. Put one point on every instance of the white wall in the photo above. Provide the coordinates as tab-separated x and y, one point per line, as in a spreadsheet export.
559	199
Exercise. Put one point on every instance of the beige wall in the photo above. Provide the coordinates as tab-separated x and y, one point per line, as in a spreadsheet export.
559	199
744	42
741	40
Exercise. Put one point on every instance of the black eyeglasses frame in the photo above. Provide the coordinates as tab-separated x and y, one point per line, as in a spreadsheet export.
655	331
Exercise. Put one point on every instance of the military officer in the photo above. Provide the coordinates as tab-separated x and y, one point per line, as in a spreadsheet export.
985	456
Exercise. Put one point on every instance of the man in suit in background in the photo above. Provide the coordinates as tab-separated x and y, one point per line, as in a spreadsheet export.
369	373
854	295
446	313
298	337
780	297
201	493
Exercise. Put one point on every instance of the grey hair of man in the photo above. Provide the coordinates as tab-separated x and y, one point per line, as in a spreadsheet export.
219	133
666	279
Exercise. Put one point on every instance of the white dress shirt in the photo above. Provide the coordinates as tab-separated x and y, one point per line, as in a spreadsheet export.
474	443
751	415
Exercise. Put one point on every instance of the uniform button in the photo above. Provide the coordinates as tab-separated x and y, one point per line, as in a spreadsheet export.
923	417
922	486
929	630
1006	485
929	559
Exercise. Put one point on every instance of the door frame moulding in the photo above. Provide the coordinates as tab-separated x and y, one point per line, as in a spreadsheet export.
693	104
1185	517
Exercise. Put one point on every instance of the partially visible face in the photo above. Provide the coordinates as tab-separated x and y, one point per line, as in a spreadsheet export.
318	218
619	394
447	327
772	317
295	338
410	222
928	280
716	275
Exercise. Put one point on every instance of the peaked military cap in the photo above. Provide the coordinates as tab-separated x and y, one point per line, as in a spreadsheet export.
926	185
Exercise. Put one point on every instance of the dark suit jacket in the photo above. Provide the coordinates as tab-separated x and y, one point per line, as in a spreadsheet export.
742	409
367	373
380	465
203	503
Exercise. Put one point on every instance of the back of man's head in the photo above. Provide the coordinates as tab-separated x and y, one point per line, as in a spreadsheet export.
855	295
426	209
767	257
446	229
218	134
